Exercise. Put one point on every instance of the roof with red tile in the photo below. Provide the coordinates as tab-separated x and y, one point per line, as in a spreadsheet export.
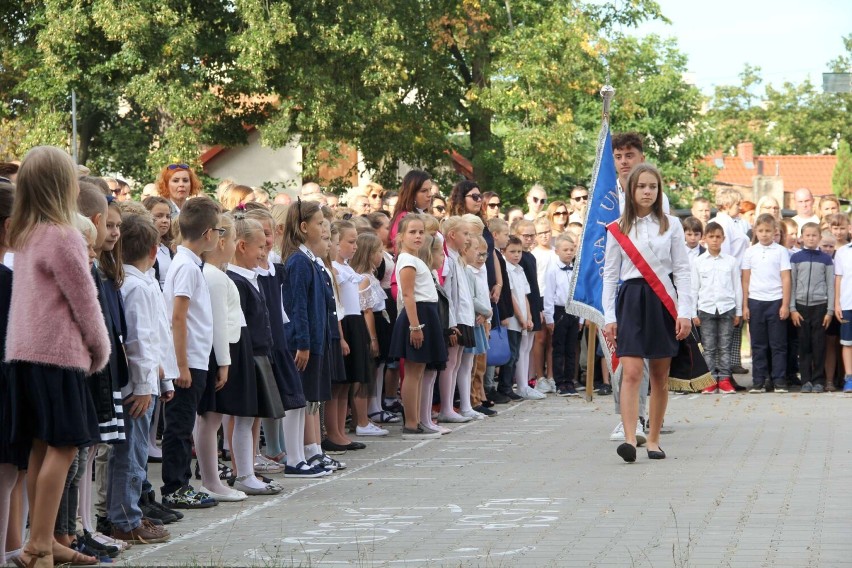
812	172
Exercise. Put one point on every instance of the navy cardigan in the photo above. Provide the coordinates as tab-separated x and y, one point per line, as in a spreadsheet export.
308	298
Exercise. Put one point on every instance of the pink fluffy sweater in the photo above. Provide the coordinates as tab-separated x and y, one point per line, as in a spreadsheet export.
55	317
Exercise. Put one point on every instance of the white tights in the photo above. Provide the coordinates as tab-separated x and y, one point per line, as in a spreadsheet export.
522	369
243	451
447	380
427	385
463	380
294	436
206	430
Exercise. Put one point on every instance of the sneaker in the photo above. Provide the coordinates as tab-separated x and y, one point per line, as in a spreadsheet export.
473	414
484	410
122	545
454	418
304	471
640	434
154	510
847	384
370	430
725	387
145	533
617	433
531	394
102	549
187	498
542	386
567	390
419	434
807	387
757	389
780	390
497	397
712	389
818	388
514	396
605	390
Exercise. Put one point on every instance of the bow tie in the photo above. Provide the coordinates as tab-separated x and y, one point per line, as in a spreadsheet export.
567	267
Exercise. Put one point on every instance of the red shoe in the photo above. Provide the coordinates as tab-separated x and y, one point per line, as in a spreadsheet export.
725	387
712	389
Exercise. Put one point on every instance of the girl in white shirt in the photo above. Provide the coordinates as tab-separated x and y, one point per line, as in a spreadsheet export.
162	213
636	321
417	334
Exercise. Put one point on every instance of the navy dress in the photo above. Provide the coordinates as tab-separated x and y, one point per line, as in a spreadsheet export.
528	263
272	286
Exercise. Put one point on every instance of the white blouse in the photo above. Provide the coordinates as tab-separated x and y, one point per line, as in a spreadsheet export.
349	282
227	312
668	248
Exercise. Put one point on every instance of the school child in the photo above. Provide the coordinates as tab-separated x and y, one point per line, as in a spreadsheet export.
270	277
636	319
828	243
308	301
254	388
838	224
369	255
191	313
475	256
811	306
718	296
791	235
13	458
527	232
361	341
787	235
693	233
161	211
141	299
519	325
564	327
843	308
459	364
52	408
501	299
432	254
766	301
541	356
417	334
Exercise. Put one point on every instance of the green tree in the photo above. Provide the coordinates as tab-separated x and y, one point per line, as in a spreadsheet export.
841	178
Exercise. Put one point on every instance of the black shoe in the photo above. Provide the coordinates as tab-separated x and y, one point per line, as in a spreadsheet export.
627	452
482	409
497	397
513	396
355	446
567	391
153	521
103	525
487	403
738	387
157	512
656	455
395	407
604	390
739	370
331	448
152	499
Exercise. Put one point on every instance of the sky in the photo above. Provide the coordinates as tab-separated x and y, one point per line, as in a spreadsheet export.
789	40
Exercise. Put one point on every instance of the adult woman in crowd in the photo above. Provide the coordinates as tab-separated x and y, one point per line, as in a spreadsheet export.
828	205
491	205
374	193
415	196
557	214
177	183
439	207
768	204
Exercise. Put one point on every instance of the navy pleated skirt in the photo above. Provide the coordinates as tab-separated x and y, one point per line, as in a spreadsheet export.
433	352
645	327
51	404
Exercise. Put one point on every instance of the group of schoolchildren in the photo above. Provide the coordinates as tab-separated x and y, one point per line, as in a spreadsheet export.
784	279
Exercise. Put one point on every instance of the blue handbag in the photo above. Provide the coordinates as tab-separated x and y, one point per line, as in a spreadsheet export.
498	344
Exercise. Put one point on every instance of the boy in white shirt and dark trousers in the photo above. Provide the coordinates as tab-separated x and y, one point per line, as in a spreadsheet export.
812	306
519	322
143	308
564	327
766	300
718	296
191	311
843	308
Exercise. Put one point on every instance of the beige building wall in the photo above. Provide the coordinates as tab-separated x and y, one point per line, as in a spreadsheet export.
254	164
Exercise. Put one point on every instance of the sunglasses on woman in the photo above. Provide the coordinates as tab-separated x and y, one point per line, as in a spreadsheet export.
495	205
178	167
475	196
581	198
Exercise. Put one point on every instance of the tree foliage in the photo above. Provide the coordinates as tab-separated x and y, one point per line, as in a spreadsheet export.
841	177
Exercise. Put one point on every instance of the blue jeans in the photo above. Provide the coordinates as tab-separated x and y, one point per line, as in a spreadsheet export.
507	371
716	333
127	473
768	342
66	517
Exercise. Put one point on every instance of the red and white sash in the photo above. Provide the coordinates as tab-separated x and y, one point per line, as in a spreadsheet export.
644	259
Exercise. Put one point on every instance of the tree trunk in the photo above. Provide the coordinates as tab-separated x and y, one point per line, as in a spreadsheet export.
479	121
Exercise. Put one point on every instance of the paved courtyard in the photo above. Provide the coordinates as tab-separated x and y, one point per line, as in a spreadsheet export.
751	480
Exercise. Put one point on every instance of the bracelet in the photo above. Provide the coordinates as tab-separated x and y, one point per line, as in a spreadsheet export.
416	327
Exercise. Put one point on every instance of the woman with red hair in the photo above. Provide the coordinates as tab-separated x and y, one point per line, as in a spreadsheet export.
177	183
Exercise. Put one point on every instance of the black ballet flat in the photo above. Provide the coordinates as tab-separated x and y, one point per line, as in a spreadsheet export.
656	455
627	452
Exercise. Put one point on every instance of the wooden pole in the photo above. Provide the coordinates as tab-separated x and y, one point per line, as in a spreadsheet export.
590	362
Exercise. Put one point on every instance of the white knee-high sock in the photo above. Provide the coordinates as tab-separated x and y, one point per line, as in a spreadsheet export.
375	403
447	380
463	380
207	429
522	370
243	451
426	388
294	436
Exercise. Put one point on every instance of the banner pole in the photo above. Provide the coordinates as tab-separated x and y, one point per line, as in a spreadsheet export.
590	362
